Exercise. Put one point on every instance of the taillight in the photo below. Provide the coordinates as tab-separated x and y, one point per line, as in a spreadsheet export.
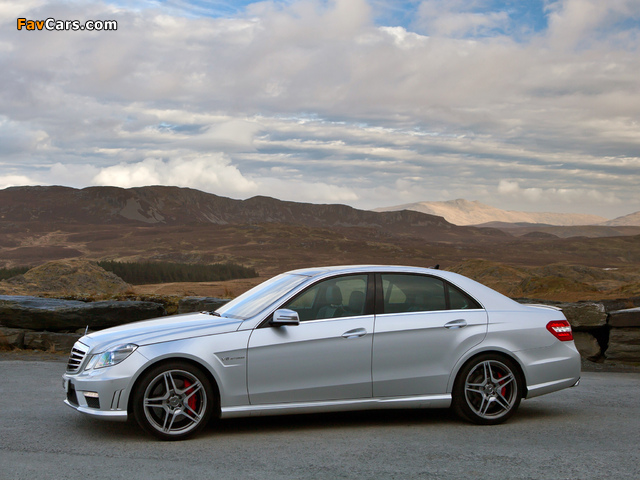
561	329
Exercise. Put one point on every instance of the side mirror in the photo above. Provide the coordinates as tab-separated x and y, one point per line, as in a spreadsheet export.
284	317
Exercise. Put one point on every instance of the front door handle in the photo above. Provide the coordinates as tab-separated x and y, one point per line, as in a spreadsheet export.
355	333
456	323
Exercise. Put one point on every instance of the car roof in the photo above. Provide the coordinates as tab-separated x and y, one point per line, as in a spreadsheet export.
337	269
482	293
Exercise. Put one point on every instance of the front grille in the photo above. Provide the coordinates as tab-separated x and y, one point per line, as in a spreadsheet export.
93	402
78	352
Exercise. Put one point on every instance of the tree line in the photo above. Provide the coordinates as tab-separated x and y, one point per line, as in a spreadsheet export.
140	273
12	272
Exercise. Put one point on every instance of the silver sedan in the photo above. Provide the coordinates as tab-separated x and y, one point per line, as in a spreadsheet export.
328	339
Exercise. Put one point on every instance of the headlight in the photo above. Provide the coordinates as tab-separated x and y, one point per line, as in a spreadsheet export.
111	357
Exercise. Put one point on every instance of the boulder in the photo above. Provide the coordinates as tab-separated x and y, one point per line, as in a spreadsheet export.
584	315
587	345
621	303
200	304
624	345
11	337
625	318
50	341
57	315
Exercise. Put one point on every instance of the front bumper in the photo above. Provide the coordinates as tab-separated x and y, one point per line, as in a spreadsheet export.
94	399
103	393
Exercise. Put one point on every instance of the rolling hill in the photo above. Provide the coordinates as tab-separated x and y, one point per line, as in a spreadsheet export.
465	212
38	224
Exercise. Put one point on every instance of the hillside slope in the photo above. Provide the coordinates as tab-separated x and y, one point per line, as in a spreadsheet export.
465	212
632	219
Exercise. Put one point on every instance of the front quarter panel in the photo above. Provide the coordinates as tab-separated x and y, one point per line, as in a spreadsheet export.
224	356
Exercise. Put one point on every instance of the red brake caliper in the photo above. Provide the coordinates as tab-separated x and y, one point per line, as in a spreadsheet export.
192	400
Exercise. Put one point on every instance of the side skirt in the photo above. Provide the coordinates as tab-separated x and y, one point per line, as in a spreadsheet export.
426	401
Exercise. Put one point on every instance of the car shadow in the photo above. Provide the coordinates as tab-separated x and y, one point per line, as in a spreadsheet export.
91	428
328	421
130	431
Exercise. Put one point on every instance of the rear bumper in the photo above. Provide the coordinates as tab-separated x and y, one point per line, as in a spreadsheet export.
551	369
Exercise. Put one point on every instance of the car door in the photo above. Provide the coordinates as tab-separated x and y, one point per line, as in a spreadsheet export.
422	327
327	356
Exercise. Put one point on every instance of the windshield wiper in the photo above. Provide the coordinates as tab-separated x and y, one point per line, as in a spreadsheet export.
215	314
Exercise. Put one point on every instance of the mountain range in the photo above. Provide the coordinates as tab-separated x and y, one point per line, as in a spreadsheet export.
161	205
465	212
39	224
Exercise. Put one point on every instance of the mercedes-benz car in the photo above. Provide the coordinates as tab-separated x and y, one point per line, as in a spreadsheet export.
327	339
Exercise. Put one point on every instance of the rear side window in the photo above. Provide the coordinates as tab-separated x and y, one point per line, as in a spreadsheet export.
420	293
458	300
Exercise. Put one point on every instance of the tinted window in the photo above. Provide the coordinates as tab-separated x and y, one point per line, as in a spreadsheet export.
459	300
412	293
335	297
419	293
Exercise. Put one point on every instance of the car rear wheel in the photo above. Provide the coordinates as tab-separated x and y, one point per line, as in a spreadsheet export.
173	401
487	390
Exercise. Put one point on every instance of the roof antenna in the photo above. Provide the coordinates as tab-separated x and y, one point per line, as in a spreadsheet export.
437	267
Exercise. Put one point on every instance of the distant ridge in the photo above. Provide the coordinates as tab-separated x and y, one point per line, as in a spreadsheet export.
465	212
630	220
171	206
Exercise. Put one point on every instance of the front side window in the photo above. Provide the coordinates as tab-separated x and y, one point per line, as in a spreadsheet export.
419	293
336	297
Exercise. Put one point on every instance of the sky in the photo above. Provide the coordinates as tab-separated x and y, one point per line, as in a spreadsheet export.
523	105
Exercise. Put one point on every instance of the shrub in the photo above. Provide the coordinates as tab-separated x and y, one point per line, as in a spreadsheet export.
12	272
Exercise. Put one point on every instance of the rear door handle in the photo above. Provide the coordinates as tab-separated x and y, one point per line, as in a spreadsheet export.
355	333
460	323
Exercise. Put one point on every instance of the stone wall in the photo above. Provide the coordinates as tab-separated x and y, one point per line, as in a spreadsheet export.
606	331
51	324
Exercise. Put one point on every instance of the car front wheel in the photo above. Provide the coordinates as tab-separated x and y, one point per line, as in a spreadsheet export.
487	390
173	401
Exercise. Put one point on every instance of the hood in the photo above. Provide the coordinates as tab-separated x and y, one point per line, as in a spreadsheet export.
165	329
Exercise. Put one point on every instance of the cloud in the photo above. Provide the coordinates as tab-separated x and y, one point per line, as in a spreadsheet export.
588	22
324	101
505	187
458	18
552	196
15	180
16	137
207	172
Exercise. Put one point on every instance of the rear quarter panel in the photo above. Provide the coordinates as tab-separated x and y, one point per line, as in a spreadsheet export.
520	333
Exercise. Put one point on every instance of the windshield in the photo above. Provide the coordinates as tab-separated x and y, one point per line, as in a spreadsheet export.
261	296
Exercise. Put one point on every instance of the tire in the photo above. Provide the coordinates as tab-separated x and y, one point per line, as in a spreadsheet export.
488	390
173	401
